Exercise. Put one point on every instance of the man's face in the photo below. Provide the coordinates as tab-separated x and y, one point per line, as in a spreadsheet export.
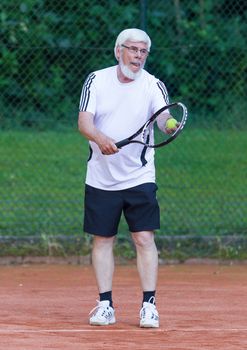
132	57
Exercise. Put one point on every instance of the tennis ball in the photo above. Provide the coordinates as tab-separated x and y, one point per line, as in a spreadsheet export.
171	123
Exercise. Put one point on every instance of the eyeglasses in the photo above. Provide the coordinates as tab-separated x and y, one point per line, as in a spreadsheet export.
135	50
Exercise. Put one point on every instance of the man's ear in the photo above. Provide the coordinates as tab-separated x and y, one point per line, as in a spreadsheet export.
118	53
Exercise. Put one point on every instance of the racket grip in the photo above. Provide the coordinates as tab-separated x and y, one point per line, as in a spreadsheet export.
122	143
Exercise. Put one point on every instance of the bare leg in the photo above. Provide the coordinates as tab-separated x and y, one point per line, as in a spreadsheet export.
103	262
147	259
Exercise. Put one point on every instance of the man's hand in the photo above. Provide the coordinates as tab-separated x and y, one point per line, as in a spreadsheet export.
106	144
171	125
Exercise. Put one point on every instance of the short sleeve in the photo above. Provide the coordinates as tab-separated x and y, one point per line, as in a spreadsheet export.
88	95
160	95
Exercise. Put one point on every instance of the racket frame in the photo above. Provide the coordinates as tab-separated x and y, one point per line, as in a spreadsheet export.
172	137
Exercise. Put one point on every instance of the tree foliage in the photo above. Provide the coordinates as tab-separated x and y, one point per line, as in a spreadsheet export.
48	48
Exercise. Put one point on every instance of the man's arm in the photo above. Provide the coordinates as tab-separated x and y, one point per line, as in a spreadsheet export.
87	128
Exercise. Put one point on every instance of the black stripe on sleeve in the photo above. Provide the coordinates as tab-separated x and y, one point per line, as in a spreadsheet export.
85	94
164	91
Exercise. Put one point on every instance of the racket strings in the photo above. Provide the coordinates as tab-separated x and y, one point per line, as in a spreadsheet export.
156	130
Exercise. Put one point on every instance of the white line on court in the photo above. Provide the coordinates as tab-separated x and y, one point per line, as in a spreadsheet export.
223	330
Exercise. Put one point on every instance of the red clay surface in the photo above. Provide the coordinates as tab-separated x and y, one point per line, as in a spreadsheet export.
47	306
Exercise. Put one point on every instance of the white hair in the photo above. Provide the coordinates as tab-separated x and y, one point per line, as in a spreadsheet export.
132	34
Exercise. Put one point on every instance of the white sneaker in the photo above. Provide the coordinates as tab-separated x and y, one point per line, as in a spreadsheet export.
149	317
102	314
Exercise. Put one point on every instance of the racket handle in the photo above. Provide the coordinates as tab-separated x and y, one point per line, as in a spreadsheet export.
122	143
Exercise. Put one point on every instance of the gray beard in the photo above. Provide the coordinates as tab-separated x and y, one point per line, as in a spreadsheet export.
128	73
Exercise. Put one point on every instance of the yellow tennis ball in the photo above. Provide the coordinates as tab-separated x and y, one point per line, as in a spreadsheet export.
171	123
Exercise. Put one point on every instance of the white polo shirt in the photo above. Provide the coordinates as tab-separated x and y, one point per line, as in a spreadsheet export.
119	110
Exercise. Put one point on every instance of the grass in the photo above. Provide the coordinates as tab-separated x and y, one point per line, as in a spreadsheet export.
201	178
41	182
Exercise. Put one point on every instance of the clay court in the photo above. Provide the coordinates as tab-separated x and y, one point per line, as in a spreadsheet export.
47	306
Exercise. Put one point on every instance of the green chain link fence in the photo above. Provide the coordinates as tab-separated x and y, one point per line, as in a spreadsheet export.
198	50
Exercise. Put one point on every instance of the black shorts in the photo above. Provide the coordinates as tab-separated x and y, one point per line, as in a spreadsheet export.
103	209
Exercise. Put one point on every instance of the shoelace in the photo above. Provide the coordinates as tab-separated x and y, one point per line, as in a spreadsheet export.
98	307
152	300
95	308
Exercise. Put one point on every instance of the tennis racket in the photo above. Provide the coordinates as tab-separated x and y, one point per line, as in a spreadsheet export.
150	134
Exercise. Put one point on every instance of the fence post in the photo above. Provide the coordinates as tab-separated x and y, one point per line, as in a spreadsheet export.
143	18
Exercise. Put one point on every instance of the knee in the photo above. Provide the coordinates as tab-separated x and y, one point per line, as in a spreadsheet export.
143	239
100	242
